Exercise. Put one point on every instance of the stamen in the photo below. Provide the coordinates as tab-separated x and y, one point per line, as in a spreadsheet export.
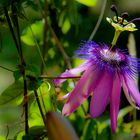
124	16
114	9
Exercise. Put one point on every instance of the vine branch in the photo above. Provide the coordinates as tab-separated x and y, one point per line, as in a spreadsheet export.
6	69
60	47
39	106
19	49
99	20
11	29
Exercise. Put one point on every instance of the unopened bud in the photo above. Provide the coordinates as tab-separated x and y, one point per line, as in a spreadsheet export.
59	128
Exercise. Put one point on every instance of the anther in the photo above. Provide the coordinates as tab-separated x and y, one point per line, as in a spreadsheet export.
124	16
114	9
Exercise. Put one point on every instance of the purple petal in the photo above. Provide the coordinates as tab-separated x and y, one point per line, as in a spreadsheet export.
132	89
101	95
129	98
115	102
82	90
70	73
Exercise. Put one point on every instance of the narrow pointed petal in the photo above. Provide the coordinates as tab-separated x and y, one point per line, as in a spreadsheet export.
115	102
132	89
101	95
83	89
129	98
70	73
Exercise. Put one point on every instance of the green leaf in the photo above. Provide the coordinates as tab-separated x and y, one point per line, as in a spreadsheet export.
102	125
61	18
17	74
19	135
32	33
81	109
66	26
34	115
125	111
105	122
2	138
88	2
11	96
47	97
132	127
37	131
27	137
89	126
32	70
48	94
33	84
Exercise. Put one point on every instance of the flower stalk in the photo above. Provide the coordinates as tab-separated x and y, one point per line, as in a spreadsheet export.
116	36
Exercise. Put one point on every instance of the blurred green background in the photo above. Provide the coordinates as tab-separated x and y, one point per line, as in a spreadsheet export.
69	23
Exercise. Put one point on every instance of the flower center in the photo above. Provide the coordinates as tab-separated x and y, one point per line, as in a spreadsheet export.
109	56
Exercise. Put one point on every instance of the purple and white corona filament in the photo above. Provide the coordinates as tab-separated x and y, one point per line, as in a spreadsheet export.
106	71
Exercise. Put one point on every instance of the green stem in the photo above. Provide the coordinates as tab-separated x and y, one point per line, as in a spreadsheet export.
6	69
11	29
99	20
44	47
45	32
25	104
116	36
7	132
19	40
16	24
37	45
60	47
134	115
44	13
23	73
39	106
19	49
